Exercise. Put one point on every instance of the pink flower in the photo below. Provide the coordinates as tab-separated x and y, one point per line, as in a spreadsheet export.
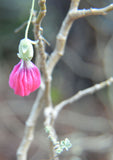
24	78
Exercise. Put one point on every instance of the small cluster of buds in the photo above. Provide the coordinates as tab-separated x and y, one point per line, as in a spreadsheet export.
25	76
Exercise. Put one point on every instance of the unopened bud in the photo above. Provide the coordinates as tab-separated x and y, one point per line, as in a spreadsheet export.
25	49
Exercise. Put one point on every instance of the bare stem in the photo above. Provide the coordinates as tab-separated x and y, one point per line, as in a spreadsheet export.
40	99
29	21
61	38
38	32
43	98
30	126
41	61
89	12
20	27
74	4
81	94
39	18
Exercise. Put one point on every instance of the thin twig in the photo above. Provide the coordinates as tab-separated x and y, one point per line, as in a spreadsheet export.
43	98
38	32
61	38
81	94
21	27
41	62
39	18
37	106
30	126
89	12
74	4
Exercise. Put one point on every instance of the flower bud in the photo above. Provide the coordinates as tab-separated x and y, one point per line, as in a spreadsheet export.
25	49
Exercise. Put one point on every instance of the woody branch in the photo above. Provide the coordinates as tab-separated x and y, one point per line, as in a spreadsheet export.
44	95
72	15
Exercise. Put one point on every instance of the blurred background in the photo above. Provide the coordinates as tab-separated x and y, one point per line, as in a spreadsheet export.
87	61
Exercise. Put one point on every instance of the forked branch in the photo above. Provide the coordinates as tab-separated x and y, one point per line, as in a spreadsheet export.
43	98
72	15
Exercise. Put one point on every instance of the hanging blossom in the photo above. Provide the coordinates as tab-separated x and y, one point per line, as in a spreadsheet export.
25	76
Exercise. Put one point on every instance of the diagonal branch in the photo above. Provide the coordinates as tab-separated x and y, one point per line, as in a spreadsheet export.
88	12
81	94
72	15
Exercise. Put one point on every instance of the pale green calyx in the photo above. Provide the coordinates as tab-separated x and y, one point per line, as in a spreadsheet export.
25	49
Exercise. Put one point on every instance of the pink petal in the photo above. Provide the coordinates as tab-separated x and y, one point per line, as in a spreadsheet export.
24	78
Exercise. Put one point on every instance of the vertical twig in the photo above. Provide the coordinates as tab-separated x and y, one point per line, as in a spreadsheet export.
62	37
38	31
39	18
74	4
39	102
41	61
30	126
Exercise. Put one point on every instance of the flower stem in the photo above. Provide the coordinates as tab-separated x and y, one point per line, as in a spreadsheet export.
29	21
